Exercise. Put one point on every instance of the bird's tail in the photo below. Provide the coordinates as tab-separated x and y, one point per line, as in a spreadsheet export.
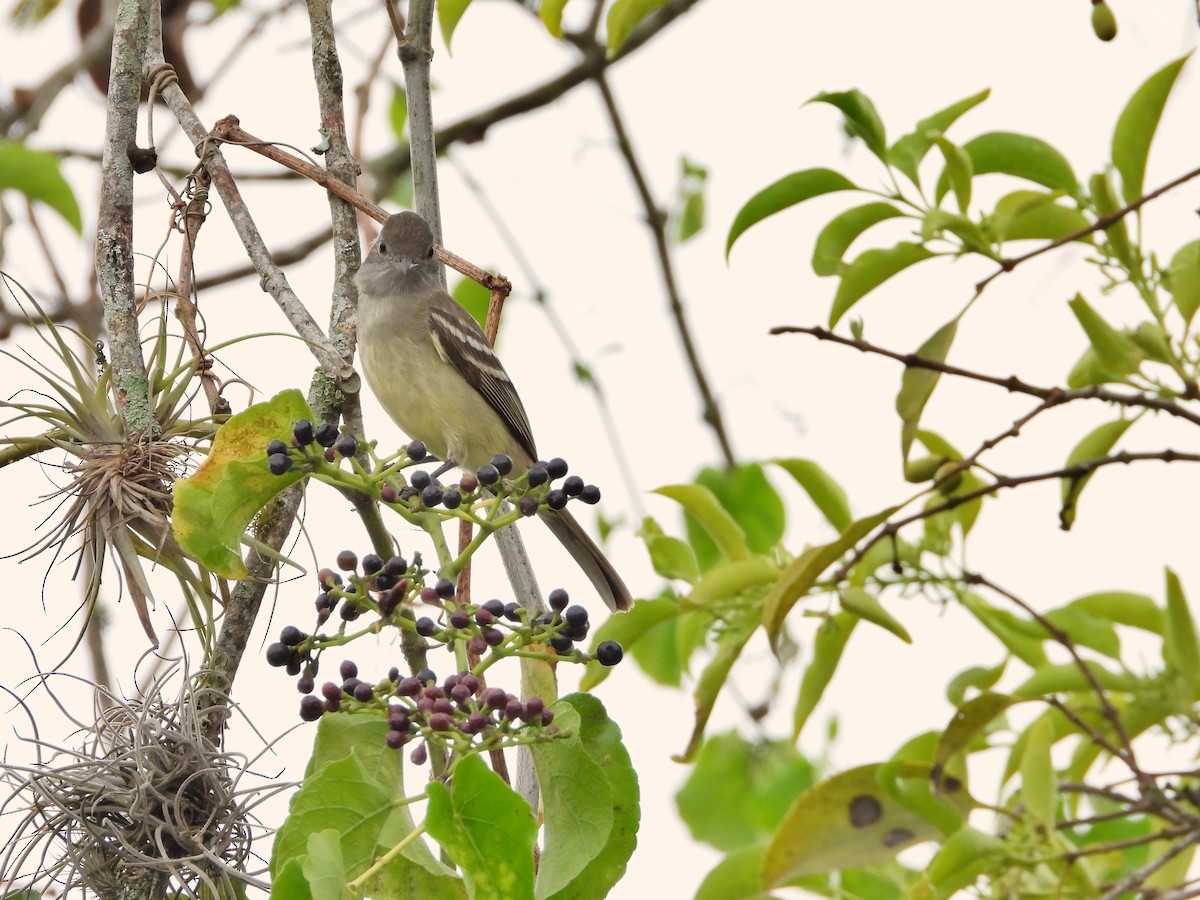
589	557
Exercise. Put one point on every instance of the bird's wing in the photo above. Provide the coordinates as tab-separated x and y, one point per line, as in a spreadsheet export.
461	342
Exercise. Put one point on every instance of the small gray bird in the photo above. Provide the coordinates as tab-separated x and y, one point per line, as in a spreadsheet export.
434	372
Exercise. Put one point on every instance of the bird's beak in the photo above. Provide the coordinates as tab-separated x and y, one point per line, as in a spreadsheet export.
404	265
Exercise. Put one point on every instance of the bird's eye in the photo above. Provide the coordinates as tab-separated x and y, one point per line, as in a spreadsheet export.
382	248
429	255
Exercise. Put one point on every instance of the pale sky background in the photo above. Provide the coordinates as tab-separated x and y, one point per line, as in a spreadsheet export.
728	93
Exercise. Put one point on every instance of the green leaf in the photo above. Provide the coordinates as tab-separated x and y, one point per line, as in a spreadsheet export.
970	719
600	738
735	877
1124	608
908	151
1116	351
214	505
1021	637
1067	678
787	191
749	497
939	221
1104	202
37	175
1038	791
1018	155
647	632
486	827
862	119
1033	215
551	13
1095	445
703	505
958	170
449	12
837	236
732	579
738	790
1136	126
828	645
847	821
1086	630
398	113
474	298
865	605
962	859
624	16
871	269
671	557
687	220
1181	648
917	384
1183	280
324	868
821	488
802	573
708	686
982	678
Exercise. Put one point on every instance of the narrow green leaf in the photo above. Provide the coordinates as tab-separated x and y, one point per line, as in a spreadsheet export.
1068	678
703	504
1136	126
730	579
1086	630
1181	648
962	859
837	236
1018	155
871	269
487	828
939	221
746	493
1033	215
624	16
866	605
908	151
1183	280
917	384
1022	638
551	13
1104	202
821	488
828	645
982	678
712	679
449	12
862	119
959	170
398	113
1124	608
37	175
1116	351
738	791
786	192
324	867
802	573
1038	790
670	557
215	504
970	720
1095	445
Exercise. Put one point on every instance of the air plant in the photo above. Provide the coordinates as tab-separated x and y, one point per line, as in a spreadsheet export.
117	497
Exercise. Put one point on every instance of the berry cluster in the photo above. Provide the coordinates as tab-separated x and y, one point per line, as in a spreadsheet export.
281	456
457	713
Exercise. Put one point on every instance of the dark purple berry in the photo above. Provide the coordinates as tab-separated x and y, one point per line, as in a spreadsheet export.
393	674
558	599
451	499
476	722
350	612
557	467
443	706
487	474
493	636
278	655
327	578
576	616
512	611
590	494
305	684
276	446
396	566
431	496
279	463
416	451
331	691
311	708
396	739
383	581
460	619
326	434
538	475
388	494
573	486
528	506
609	653
347	560
371	564
477	645
294	665
290	636
408	687
325	600
433	692
547	716
468	482
397	718
533	708
440	721
419	755
329	455
513	709
469	681
363	692
346	445
429	595
425	706
577	633
484	616
562	644
420	479
302	431
556	499
323	615
460	693
426	676
333	705
444	588
426	627
502	463
495	607
348	669
495	698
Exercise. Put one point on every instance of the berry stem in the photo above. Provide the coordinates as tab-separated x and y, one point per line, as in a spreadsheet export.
354	887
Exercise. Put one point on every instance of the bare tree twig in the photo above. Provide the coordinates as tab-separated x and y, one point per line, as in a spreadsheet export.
656	222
